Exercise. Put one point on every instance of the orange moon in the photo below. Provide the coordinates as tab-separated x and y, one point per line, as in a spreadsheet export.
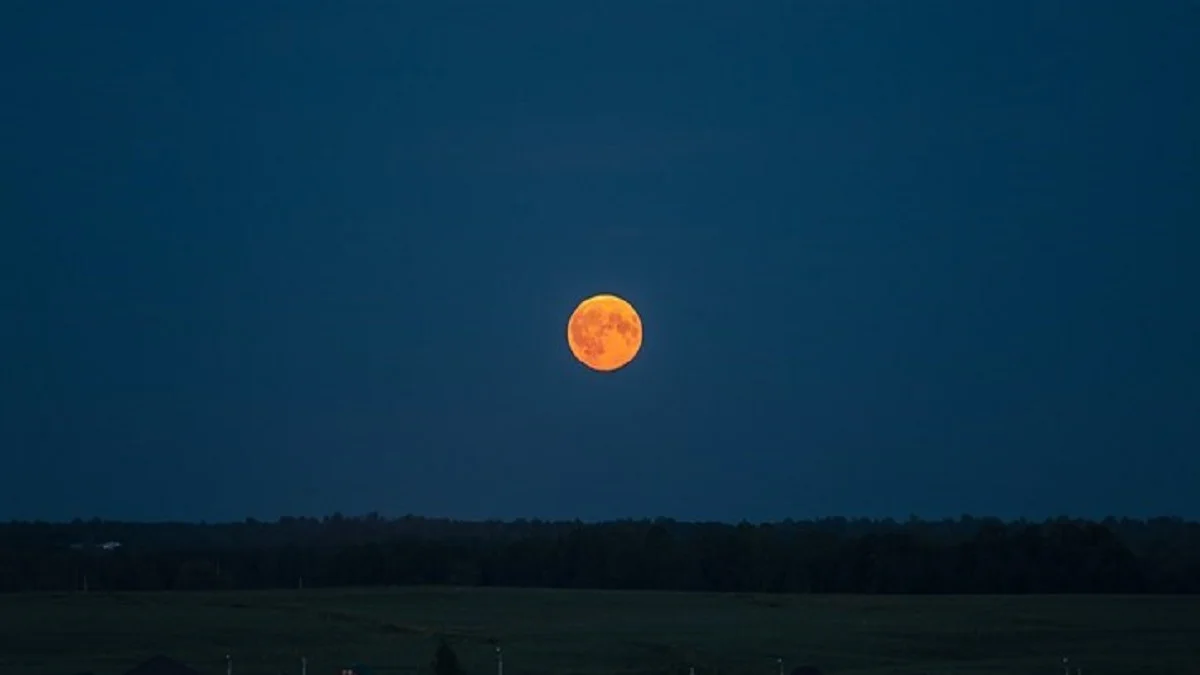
604	332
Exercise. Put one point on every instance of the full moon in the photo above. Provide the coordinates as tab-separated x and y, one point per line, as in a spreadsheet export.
604	332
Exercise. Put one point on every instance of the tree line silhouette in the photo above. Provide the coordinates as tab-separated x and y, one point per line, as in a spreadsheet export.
834	555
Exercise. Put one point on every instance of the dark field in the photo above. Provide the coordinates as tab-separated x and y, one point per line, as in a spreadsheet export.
545	631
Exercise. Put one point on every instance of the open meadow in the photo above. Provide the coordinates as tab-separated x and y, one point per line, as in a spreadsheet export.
561	632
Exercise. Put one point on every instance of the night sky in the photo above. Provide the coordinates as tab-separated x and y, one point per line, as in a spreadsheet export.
892	258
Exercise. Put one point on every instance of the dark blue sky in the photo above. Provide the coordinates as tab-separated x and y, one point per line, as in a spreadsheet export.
296	257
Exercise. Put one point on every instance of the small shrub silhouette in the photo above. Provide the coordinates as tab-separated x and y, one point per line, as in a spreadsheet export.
445	661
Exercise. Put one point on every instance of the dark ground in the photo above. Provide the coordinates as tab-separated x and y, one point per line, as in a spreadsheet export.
553	631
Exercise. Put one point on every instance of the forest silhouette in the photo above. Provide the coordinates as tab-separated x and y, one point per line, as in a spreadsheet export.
833	555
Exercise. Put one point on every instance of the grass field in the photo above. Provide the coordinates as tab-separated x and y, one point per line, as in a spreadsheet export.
562	632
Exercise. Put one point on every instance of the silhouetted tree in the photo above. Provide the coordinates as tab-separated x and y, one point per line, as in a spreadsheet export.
964	555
